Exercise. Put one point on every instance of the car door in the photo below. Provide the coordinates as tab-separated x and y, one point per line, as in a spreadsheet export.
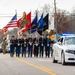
59	49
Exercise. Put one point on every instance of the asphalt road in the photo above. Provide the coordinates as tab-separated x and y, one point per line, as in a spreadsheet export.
33	66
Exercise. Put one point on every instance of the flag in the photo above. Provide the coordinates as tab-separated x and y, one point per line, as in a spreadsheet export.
4	30
33	25
13	22
46	20
31	31
28	25
19	20
40	23
19	34
34	22
28	18
52	37
24	29
45	24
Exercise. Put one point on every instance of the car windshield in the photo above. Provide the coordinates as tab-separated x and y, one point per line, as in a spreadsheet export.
70	40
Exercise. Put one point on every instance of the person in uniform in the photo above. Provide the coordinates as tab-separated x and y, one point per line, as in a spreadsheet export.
36	46
24	45
18	46
4	44
41	41
30	46
47	46
12	46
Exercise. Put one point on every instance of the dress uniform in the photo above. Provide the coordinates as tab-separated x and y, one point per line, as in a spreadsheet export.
4	44
47	46
36	47
41	41
18	46
24	45
30	46
12	46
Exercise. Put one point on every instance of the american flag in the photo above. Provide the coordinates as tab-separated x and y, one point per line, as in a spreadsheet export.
13	22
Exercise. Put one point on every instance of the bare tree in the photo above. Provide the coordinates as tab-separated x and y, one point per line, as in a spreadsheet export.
72	22
62	21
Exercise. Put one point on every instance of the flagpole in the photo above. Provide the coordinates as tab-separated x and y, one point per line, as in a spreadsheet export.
55	15
30	27
18	29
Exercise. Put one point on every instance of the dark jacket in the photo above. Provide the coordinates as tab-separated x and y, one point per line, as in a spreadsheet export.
30	42
41	41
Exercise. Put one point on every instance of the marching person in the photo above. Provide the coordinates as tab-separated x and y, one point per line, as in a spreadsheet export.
24	45
36	46
41	41
18	46
47	46
4	44
12	46
30	46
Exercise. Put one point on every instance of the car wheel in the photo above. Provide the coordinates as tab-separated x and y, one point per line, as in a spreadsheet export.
63	58
54	61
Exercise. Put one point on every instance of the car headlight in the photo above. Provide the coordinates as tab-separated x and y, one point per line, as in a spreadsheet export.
70	51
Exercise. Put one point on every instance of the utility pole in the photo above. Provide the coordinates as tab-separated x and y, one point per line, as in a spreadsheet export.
55	19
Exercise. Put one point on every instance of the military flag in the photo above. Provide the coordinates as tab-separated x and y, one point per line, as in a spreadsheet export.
28	25
45	24
33	25
28	18
38	26
40	23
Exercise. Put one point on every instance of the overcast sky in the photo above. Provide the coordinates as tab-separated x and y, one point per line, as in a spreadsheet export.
9	7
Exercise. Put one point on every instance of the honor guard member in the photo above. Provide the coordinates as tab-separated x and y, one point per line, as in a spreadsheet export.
47	45
36	46
12	46
41	41
30	46
4	44
18	46
24	45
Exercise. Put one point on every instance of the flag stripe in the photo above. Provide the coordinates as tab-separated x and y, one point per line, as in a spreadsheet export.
13	22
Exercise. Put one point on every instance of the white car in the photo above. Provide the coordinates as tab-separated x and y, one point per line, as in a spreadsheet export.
64	50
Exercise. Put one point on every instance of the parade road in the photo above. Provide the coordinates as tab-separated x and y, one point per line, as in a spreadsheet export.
33	66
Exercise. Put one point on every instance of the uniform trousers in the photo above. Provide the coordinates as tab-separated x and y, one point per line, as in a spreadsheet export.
12	51
18	51
30	51
47	51
36	51
23	51
41	51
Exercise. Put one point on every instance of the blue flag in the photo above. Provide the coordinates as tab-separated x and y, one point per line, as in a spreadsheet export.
38	26
34	25
40	23
31	31
14	17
